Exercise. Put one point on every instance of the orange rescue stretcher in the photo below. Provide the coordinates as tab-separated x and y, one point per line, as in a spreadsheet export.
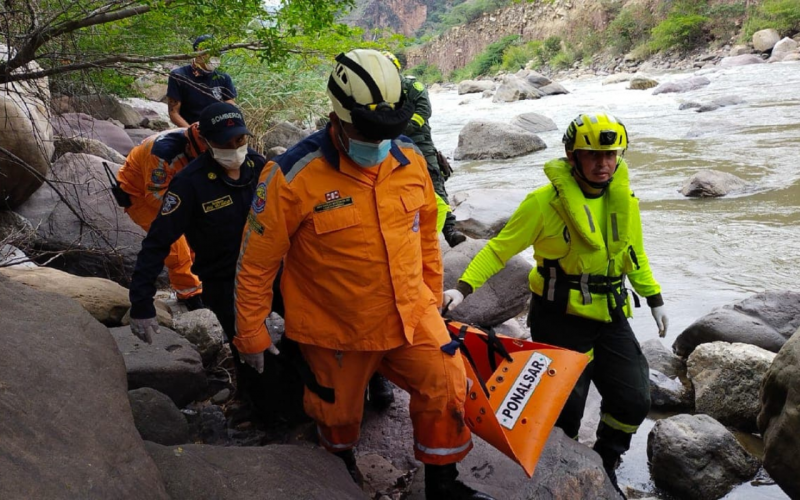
516	389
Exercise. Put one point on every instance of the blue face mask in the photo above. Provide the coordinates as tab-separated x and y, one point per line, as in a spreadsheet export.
368	154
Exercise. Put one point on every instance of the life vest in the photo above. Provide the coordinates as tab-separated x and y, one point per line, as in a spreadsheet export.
589	280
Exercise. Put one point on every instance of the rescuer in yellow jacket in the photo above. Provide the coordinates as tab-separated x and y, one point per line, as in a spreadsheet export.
352	212
587	239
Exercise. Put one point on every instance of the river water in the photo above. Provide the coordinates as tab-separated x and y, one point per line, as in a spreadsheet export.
704	252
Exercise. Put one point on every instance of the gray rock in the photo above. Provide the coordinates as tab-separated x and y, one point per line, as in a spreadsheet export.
12	257
779	419
273	152
503	297
738	50
553	89
670	393
538	80
534	122
101	107
764	40
157	418
720	102
684	85
170	364
273	472
137	135
642	83
480	140
742	60
712	183
283	134
474	86
87	146
202	329
67	429
726	379
689	105
515	89
783	48
766	320
104	242
696	457
71	125
660	358
482	213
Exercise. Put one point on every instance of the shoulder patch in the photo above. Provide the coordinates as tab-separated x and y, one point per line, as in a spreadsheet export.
419	86
171	203
158	176
260	199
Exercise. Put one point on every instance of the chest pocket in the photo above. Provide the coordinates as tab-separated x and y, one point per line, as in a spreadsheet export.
412	201
336	219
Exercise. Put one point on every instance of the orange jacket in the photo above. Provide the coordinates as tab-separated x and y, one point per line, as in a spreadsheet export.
151	165
361	257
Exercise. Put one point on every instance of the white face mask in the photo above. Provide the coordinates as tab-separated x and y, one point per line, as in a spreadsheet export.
230	159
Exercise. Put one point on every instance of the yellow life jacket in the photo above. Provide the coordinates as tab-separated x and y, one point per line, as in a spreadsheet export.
589	280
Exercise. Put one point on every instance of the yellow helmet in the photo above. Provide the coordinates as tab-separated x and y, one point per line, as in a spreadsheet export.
392	58
598	132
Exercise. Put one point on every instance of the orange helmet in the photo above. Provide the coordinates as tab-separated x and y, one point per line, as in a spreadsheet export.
195	145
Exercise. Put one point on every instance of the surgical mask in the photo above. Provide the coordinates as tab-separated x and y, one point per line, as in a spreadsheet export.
230	159
208	66
367	154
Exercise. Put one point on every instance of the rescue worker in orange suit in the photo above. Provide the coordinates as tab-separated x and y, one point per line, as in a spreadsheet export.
353	211
208	202
586	232
145	176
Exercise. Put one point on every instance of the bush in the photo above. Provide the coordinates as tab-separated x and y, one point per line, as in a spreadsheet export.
562	60
427	73
724	19
679	31
491	58
782	15
630	28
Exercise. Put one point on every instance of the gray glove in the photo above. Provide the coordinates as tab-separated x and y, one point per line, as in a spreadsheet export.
256	360
144	328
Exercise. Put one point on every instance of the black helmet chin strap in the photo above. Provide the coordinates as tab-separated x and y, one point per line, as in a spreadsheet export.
578	168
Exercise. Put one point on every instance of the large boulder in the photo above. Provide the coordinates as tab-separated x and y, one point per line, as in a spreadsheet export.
720	102
764	40
25	132
554	88
782	49
696	457
69	125
481	140
202	329
779	420
740	60
501	298
283	134
170	364
516	89
660	358
684	85
711	184
765	320
642	83
87	146
66	429
482	213
157	418
82	220
105	300
474	86
102	107
726	379
534	122
670	393
274	472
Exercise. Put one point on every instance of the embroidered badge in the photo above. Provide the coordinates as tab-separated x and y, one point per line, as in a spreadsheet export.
171	203
333	195
158	176
419	86
333	204
212	205
260	199
217	93
415	225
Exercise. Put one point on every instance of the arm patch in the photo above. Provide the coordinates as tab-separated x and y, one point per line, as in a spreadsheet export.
171	203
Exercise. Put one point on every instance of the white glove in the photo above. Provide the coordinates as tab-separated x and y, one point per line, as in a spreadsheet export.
256	360
660	315
144	328
452	298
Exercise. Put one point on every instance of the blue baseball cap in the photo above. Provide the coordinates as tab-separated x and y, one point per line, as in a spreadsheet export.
200	39
220	122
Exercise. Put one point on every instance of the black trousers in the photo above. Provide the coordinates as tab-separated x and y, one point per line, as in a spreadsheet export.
255	387
438	186
619	370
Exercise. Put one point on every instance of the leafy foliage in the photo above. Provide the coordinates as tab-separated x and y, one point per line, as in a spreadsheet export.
782	15
427	73
489	60
629	28
680	31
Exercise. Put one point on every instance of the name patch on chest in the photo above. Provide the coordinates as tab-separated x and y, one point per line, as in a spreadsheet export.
333	204
212	205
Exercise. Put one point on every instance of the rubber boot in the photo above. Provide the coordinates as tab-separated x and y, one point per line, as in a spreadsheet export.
349	459
452	236
192	303
610	463
380	392
441	484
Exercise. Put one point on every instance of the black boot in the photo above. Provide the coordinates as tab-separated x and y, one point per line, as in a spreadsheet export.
349	459
453	236
610	463
380	392
441	484
193	303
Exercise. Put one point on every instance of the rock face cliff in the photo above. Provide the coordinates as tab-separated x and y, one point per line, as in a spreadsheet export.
400	16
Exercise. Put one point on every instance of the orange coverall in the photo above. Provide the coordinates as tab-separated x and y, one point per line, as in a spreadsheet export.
145	176
362	282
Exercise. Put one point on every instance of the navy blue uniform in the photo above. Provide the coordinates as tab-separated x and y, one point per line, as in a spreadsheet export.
204	204
197	92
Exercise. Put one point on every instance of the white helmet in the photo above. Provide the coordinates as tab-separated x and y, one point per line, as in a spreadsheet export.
366	90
